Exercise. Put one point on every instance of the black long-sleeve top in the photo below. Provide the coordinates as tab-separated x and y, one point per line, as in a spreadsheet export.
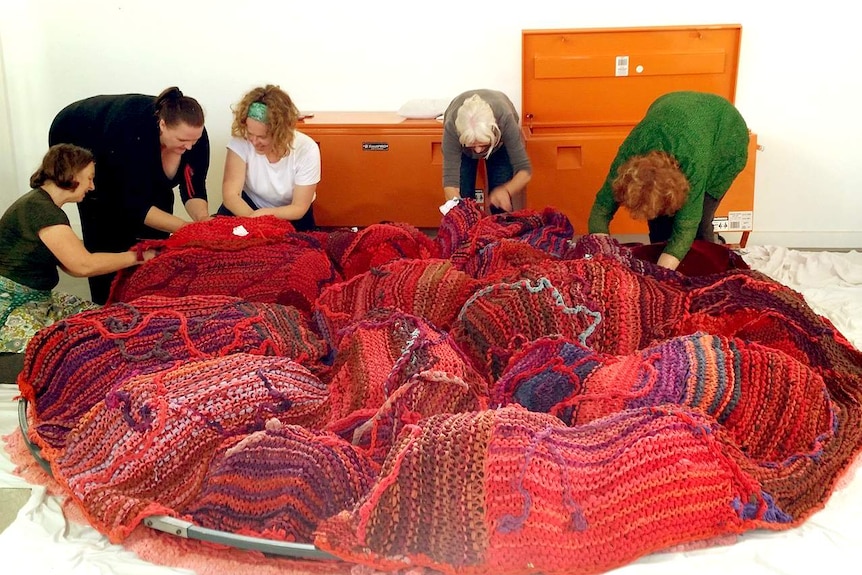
122	131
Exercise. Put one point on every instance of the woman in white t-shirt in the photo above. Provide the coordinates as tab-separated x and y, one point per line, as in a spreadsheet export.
271	168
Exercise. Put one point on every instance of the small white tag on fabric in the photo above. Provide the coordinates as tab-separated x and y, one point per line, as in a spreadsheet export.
444	209
240	231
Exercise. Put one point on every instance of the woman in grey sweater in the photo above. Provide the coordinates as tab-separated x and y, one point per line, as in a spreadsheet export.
484	124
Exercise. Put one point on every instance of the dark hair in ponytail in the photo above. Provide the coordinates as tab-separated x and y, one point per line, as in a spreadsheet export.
174	108
60	165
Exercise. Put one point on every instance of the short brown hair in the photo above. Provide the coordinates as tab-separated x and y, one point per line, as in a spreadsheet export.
281	116
650	186
60	165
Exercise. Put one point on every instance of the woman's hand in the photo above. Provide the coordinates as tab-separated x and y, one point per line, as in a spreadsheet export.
501	198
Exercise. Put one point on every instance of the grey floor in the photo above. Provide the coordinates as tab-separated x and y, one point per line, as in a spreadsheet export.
12	499
74	286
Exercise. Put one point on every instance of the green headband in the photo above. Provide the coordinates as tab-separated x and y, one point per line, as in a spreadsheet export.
257	111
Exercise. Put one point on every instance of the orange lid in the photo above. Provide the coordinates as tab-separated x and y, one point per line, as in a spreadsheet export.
610	76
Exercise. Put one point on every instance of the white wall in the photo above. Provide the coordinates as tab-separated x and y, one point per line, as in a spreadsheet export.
798	86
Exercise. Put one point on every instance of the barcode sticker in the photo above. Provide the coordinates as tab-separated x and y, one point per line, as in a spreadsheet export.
734	222
622	66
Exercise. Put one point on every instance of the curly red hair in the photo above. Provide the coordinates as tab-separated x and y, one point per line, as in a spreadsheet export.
651	185
282	116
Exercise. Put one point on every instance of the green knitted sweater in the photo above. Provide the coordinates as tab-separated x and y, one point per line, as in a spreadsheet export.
707	136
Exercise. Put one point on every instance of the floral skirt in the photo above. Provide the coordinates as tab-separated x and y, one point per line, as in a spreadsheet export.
24	311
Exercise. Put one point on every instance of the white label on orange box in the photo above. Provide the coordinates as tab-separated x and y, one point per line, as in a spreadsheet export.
734	222
622	66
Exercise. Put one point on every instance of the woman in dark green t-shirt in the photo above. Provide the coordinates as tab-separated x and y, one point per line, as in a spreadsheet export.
36	239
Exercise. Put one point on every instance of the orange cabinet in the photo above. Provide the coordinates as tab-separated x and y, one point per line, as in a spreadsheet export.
585	89
377	166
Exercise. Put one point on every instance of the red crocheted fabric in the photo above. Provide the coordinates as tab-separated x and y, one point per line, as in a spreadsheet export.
255	483
525	493
432	289
288	269
357	252
155	435
704	258
71	365
510	401
394	369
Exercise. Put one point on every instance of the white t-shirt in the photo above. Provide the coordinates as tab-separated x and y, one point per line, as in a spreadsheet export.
271	185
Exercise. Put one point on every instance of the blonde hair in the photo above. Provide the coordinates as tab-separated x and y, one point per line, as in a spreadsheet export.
475	122
650	186
281	116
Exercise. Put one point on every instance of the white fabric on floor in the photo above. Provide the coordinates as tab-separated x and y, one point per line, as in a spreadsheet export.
42	541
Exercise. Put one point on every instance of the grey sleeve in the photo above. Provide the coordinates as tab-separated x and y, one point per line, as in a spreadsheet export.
451	154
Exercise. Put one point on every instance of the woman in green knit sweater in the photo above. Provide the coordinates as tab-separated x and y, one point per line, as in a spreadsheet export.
674	168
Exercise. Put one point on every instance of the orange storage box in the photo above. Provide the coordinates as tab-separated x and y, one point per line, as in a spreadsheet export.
377	166
585	89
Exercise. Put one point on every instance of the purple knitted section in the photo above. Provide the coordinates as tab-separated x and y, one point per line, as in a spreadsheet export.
279	483
722	377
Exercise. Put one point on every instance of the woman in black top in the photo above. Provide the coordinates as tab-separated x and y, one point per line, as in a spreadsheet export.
144	147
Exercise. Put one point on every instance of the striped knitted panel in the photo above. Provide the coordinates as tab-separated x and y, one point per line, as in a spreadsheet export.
455	228
387	350
773	406
598	246
432	289
279	483
378	244
750	306
154	436
503	259
427	394
636	309
71	365
510	491
394	369
290	272
466	237
602	304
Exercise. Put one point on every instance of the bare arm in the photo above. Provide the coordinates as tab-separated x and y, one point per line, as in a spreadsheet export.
198	209
232	183
450	193
298	207
76	260
668	261
162	220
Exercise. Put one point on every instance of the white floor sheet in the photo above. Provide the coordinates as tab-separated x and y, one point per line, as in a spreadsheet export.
41	540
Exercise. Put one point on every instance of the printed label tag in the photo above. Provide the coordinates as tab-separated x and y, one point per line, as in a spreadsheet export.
622	66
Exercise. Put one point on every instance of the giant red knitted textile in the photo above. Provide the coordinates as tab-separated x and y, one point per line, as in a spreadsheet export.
357	252
211	259
393	368
73	364
432	289
146	467
280	482
678	408
723	377
524	493
585	300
